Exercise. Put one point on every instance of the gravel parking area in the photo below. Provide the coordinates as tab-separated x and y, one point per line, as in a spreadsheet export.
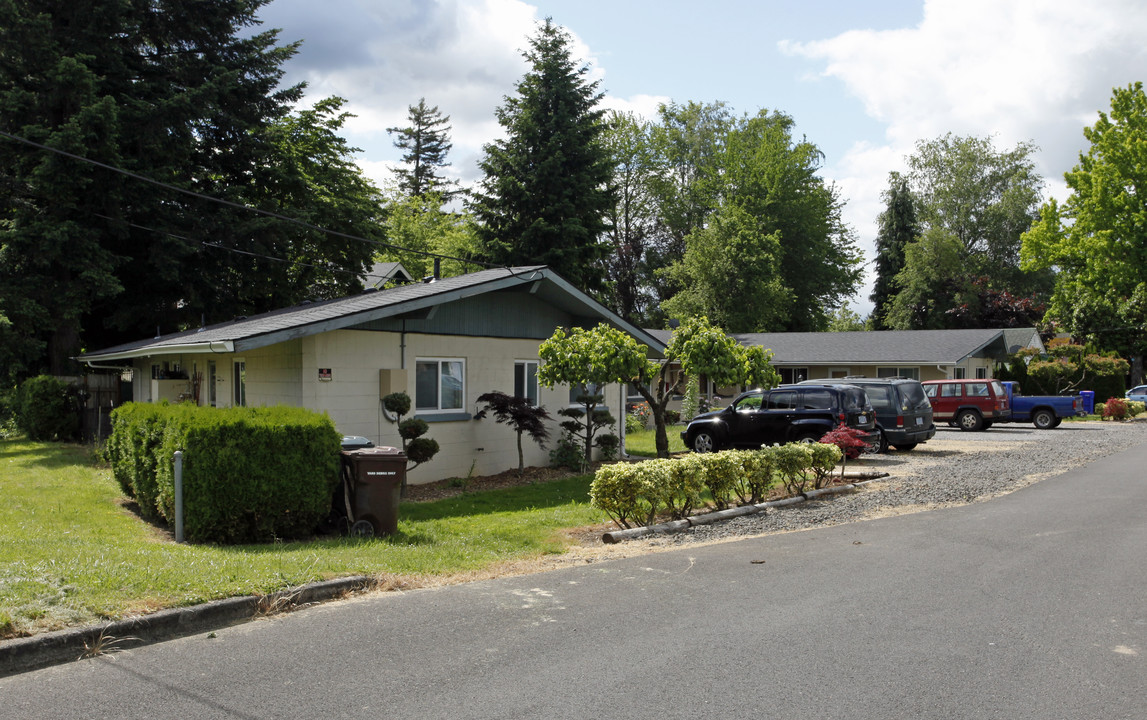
953	468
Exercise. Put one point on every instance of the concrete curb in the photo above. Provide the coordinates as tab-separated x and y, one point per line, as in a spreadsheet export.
617	536
39	651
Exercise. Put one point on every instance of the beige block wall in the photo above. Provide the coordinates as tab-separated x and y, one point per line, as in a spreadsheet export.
351	397
288	374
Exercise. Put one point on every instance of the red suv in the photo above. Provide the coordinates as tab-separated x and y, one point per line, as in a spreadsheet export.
968	404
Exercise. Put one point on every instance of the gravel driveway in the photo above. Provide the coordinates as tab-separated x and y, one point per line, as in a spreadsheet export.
953	468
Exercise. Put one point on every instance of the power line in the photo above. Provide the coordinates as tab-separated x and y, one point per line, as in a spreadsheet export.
238	206
237	251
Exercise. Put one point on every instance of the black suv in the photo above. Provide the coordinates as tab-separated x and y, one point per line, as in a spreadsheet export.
903	412
789	413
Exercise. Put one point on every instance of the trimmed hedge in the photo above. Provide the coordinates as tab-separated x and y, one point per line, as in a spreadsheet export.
249	474
636	494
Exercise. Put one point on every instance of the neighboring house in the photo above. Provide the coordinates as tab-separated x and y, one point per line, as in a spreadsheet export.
383	274
918	354
443	342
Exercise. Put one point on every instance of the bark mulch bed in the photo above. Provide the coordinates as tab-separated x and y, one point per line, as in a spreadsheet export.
460	486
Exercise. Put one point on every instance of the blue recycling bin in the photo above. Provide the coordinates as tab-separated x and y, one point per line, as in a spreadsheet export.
1088	401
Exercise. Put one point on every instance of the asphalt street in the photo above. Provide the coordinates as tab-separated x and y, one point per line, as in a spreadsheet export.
1031	605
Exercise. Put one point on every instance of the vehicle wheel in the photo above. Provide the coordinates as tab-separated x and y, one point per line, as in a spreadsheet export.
905	447
808	437
882	444
1057	421
952	423
704	442
970	421
362	529
1043	419
987	424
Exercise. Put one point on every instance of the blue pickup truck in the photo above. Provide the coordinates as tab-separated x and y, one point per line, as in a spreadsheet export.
1043	411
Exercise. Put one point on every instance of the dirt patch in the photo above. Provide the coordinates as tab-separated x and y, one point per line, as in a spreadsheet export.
459	486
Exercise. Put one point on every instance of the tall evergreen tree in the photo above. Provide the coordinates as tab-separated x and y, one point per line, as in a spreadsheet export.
547	185
426	142
182	93
898	227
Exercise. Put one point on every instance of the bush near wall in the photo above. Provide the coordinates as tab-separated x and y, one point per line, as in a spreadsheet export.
249	474
636	494
46	409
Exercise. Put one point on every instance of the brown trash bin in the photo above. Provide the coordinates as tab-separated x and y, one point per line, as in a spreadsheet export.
372	479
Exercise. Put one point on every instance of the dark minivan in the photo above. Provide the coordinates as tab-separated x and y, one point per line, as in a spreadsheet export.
903	412
789	413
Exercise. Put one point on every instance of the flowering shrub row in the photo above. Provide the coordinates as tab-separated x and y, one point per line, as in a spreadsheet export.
1121	409
637	494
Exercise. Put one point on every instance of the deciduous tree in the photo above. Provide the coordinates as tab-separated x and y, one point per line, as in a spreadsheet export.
1097	240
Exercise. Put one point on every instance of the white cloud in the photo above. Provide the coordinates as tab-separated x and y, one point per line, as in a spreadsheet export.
1019	70
1023	70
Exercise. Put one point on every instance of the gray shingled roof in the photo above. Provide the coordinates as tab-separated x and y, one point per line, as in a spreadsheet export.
313	318
893	347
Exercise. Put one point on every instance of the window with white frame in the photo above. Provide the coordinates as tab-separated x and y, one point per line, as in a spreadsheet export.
439	384
959	373
526	380
912	373
981	373
790	375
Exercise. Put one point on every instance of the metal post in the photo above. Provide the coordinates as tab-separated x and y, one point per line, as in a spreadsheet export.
179	496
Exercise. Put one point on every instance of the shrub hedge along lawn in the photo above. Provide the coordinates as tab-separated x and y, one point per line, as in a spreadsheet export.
249	474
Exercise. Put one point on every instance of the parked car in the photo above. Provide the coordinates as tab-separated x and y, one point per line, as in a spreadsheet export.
1043	411
789	413
903	412
1137	394
968	404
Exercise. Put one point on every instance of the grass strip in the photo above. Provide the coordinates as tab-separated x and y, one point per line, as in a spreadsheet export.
72	551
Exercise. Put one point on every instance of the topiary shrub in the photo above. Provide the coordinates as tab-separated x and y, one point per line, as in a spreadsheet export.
46	409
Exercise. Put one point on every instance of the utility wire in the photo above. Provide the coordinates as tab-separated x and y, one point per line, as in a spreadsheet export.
239	206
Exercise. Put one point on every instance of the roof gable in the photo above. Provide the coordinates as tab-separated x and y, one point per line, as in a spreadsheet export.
413	300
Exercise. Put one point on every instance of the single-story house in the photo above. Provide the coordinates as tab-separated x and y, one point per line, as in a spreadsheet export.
918	354
444	342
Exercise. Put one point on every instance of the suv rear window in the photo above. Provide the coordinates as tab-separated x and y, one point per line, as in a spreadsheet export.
880	397
911	396
818	400
854	398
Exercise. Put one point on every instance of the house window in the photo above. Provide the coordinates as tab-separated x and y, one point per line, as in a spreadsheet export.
211	397
577	391
526	380
981	373
912	373
440	384
790	375
240	380
959	373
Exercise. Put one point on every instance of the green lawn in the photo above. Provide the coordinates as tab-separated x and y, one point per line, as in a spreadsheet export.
72	552
644	444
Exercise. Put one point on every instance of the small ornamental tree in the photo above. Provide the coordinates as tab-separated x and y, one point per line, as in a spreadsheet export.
519	414
606	355
592	359
417	448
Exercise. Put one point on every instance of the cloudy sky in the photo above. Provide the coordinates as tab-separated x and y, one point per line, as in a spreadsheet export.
864	81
